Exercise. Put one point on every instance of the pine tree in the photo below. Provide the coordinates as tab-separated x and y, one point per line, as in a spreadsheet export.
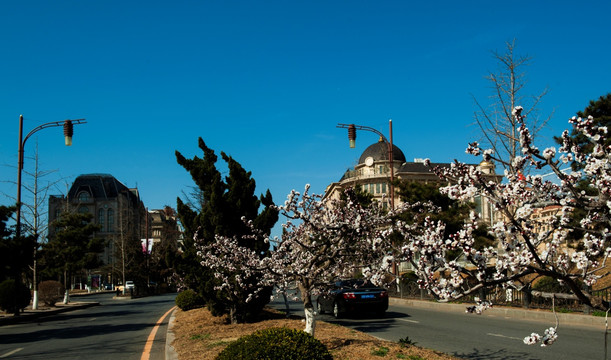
218	211
452	213
600	110
73	248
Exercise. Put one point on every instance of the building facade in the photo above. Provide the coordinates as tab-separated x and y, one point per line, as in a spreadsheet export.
165	227
119	212
372	175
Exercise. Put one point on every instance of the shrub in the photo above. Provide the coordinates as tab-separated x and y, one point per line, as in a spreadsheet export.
276	344
50	292
13	296
188	300
406	342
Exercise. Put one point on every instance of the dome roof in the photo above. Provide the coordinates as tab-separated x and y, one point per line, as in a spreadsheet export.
379	152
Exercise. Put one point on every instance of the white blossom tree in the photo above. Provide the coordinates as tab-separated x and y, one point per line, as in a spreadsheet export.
323	241
524	250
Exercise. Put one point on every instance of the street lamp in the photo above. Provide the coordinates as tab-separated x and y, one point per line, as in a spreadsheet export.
68	132
352	138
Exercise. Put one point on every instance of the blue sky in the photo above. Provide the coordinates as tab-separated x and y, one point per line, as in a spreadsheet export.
267	82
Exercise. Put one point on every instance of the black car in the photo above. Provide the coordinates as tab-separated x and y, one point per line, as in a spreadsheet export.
353	296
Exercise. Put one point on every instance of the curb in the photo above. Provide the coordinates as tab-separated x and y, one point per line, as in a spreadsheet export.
508	312
170	352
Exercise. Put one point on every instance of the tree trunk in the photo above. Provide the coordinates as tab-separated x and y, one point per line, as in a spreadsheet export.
233	314
35	281
67	287
308	307
310	320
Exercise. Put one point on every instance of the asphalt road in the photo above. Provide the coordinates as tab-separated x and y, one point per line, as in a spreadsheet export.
473	336
117	329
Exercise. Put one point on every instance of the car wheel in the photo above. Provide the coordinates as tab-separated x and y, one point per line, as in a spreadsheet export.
336	312
319	308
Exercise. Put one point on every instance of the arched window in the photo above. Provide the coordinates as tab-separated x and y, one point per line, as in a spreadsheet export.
83	209
101	219
83	196
110	220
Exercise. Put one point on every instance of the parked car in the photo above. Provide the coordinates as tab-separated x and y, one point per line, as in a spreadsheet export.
129	285
353	296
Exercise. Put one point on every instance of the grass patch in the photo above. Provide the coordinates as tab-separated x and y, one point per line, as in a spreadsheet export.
381	351
564	310
217	343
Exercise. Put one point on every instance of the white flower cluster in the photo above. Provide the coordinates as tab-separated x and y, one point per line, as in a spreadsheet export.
548	339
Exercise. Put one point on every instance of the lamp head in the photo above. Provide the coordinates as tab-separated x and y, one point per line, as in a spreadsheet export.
352	135
68	132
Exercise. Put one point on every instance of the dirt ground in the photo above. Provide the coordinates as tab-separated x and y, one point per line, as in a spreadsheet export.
199	335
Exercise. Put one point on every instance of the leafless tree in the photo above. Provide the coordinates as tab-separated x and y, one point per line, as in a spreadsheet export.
34	214
498	126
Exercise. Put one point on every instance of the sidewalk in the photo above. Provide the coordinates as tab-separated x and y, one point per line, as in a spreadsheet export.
509	312
30	315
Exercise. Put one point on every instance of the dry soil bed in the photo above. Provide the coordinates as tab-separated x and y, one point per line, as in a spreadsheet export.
199	335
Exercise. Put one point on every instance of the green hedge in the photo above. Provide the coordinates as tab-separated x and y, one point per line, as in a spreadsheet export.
188	300
14	296
276	344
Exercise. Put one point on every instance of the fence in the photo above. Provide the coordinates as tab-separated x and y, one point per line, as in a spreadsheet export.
533	299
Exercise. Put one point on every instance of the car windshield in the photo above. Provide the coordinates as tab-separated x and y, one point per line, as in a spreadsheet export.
354	283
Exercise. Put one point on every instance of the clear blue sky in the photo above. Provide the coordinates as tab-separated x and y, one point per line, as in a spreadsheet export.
267	81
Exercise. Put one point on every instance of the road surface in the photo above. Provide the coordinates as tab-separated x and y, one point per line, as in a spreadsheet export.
117	329
472	336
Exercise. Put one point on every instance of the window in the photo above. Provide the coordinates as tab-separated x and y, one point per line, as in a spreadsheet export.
83	210
478	204
110	220
101	219
383	188
378	188
83	196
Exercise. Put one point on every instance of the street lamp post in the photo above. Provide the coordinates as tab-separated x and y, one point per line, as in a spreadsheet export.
68	132
352	137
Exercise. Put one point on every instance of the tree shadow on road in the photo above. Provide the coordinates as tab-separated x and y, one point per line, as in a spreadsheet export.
367	322
501	354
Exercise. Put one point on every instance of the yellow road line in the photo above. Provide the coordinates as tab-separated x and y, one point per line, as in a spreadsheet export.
146	353
10	353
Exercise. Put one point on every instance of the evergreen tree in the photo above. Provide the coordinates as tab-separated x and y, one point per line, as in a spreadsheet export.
73	248
452	212
15	254
600	110
221	205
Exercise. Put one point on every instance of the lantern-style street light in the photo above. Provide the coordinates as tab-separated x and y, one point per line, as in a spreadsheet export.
352	138
68	132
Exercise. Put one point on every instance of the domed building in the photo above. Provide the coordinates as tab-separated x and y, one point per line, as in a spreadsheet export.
373	172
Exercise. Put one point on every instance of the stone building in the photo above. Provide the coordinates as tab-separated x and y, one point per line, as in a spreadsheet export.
372	174
164	226
117	209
